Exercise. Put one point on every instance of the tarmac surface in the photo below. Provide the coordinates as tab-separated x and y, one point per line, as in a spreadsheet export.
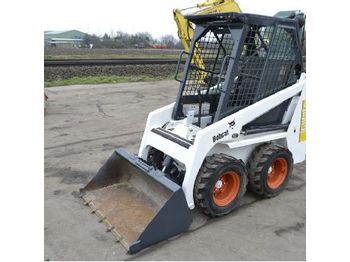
84	124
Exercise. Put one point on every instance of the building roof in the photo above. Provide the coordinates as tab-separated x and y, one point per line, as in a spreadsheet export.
72	34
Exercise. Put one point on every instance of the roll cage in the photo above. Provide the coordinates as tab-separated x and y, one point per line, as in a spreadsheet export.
245	58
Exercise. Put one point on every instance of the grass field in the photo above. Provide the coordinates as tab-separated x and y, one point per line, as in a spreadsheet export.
105	53
103	80
111	56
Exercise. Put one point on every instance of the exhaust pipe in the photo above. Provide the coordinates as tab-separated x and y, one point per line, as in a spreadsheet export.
137	203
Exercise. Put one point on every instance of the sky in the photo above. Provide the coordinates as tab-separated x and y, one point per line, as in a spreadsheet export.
153	16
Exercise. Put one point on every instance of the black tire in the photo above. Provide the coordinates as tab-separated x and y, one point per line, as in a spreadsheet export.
155	158
215	167
258	169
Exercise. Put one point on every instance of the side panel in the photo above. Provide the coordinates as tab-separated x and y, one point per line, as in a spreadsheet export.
155	119
296	133
242	153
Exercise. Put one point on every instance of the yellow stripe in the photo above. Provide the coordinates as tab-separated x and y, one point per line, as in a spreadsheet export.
302	134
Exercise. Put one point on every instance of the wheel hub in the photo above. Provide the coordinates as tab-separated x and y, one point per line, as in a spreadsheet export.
270	170
226	188
218	184
277	173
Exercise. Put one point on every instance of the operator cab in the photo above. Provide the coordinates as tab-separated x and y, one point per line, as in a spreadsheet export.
236	60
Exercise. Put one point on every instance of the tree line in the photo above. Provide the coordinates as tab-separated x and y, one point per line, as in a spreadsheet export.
124	40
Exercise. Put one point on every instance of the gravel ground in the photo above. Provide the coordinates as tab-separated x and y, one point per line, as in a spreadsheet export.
107	52
59	73
84	124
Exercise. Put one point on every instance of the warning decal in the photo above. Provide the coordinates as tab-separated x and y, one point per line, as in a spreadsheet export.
302	133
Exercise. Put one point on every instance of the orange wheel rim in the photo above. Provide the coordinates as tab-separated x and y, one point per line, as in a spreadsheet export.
226	188
277	173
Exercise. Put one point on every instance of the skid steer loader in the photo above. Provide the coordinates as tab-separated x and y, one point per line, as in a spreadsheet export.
242	126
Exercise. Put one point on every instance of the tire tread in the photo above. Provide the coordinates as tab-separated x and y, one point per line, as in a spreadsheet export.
210	166
256	164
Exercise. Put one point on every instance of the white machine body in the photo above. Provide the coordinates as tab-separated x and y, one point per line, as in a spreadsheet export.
225	135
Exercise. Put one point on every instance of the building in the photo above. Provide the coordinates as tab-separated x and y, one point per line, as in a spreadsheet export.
70	38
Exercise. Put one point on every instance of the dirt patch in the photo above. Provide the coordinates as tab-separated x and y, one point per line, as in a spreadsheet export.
76	177
57	192
56	128
101	237
75	194
297	227
61	73
295	188
70	176
109	52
